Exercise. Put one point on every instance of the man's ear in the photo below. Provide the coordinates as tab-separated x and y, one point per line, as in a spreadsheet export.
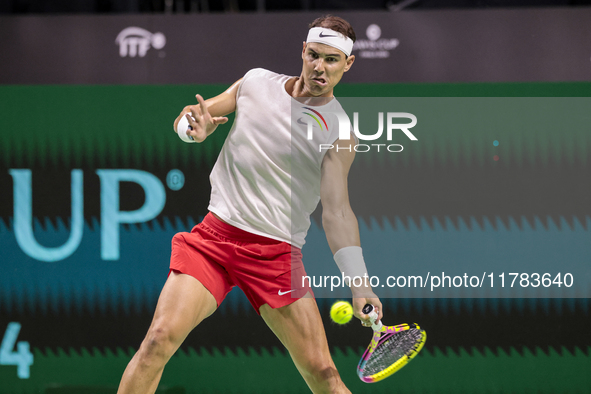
350	61
304	49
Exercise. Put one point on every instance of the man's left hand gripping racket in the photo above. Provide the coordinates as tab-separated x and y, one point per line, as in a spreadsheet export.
391	348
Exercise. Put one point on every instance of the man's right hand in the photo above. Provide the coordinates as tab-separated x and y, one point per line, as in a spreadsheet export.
203	123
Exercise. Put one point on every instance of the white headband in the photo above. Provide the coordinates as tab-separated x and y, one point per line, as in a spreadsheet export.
331	38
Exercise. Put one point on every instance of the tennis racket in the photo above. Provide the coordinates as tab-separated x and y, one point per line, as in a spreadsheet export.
391	348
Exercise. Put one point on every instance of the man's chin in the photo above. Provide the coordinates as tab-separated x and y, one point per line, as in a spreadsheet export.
317	91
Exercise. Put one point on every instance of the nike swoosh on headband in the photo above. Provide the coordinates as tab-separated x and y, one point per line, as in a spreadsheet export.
331	38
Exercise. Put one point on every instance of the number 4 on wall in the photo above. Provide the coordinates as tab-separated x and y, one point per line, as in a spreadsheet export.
22	358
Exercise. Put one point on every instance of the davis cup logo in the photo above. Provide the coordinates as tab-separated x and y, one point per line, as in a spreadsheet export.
375	47
134	41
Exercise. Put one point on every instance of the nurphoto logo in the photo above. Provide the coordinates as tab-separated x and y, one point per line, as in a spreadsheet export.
392	125
315	115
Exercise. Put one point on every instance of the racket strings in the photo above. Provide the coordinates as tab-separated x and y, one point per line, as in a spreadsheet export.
392	349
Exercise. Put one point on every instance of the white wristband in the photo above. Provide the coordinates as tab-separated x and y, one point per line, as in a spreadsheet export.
350	261
181	129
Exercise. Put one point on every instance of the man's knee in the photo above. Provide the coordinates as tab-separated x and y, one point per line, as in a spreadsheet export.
323	376
160	343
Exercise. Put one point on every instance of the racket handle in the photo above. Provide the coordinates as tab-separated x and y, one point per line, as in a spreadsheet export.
370	310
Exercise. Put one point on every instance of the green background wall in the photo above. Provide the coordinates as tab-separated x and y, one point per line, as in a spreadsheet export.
541	348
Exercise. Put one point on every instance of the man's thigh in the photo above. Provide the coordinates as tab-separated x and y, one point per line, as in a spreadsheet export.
299	327
184	302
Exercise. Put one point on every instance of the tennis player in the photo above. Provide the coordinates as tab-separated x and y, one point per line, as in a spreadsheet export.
258	217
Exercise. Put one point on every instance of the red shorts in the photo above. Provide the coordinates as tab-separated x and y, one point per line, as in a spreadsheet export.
221	256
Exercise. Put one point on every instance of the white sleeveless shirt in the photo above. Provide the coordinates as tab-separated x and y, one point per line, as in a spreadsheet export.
266	179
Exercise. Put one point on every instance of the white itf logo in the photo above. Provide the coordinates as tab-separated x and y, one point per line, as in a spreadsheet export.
134	41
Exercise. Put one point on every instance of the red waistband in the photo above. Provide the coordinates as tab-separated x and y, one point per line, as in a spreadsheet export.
231	232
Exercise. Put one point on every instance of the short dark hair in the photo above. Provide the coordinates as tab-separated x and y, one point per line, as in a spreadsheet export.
335	23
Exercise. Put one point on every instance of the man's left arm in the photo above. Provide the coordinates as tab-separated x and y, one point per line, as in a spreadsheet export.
340	223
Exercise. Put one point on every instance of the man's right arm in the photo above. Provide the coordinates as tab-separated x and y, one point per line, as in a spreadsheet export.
210	113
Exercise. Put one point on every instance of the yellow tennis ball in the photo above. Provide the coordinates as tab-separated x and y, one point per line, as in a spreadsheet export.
341	312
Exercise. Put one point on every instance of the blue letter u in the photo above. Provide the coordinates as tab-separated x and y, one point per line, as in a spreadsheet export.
23	218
